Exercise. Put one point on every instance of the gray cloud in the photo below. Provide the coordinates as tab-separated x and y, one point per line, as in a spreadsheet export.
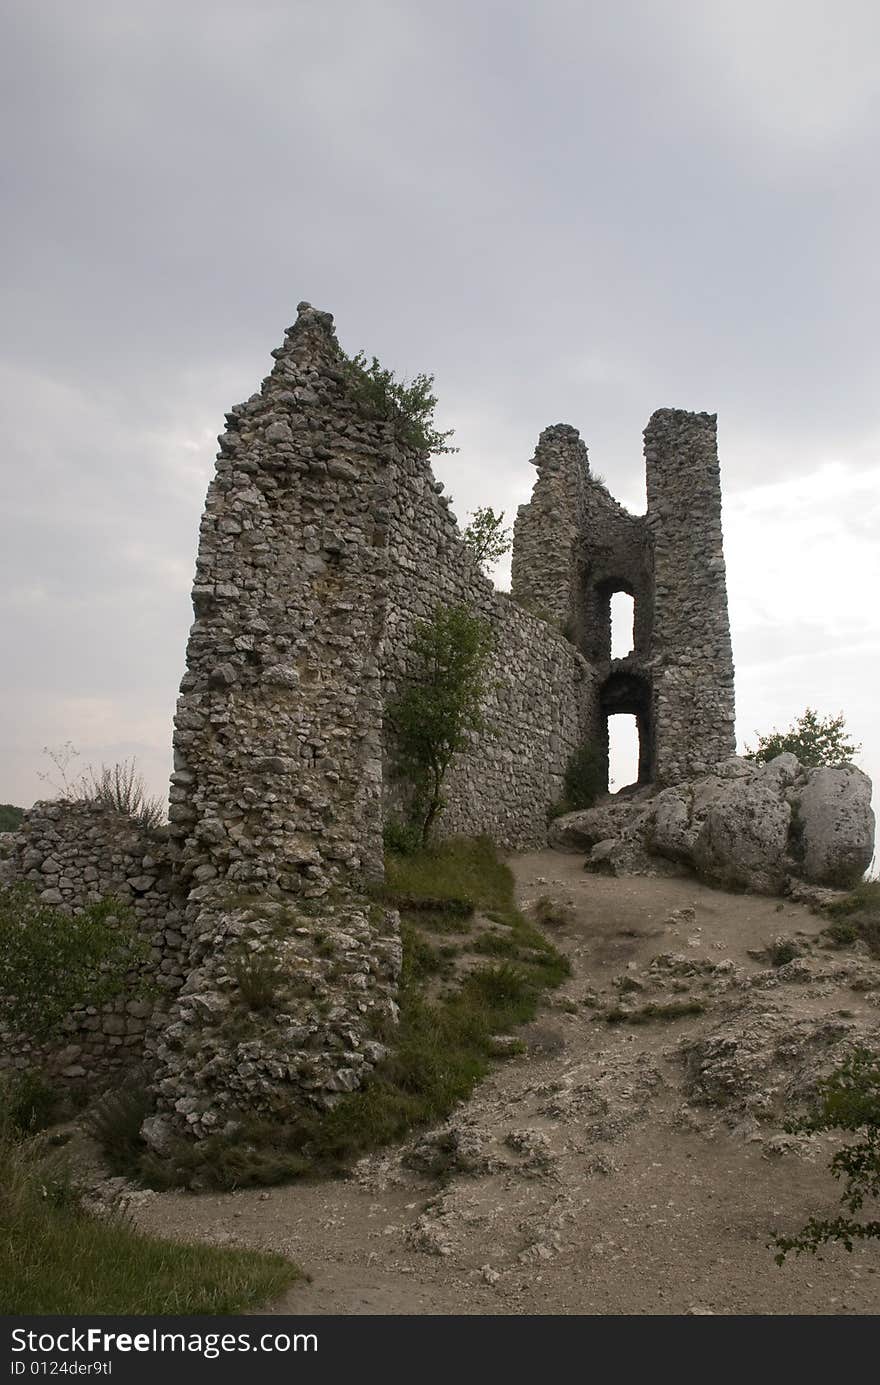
566	211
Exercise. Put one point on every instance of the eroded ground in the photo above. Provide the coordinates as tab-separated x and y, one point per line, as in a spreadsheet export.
612	1167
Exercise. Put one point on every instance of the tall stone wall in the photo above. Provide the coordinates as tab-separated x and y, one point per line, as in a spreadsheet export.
692	659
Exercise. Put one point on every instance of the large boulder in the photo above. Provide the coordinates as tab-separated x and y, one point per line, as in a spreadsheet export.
763	828
836	824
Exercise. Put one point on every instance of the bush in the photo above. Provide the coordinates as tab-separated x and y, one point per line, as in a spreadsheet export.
10	817
813	740
115	1123
410	407
51	962
27	1102
584	782
258	976
439	705
120	789
403	838
848	1100
486	537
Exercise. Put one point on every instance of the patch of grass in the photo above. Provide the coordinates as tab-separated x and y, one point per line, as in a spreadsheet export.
437	1053
115	1122
27	1102
856	917
672	1010
257	976
463	872
57	1257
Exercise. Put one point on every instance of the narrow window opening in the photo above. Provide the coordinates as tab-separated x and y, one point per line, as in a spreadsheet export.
623	609
623	751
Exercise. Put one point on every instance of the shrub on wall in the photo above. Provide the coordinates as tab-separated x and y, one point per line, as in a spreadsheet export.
584	781
409	406
51	962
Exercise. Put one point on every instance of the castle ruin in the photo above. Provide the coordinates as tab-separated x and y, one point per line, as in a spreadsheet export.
325	539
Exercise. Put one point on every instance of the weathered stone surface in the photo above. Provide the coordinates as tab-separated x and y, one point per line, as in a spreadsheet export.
766	828
575	546
837	824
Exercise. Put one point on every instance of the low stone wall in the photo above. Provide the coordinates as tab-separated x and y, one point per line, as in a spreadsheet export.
76	854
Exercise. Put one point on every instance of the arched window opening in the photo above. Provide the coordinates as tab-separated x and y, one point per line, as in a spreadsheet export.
623	751
623	609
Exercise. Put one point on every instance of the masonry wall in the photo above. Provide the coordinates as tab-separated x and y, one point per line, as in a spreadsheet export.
76	854
540	688
693	685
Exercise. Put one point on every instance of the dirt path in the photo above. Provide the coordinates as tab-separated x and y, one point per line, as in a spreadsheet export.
586	1175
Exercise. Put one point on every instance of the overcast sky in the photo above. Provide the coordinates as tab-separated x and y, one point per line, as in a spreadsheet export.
568	212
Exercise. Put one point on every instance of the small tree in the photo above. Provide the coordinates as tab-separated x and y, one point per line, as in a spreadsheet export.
486	537
51	962
440	704
813	740
848	1100
409	406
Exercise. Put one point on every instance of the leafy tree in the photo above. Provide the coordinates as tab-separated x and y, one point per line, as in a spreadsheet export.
848	1100
440	704
409	406
485	536
814	740
51	961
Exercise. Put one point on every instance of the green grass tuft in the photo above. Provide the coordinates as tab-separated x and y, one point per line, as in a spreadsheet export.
56	1257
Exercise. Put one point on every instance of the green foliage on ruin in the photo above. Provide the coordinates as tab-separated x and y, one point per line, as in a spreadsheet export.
439	705
51	962
408	405
814	740
119	788
849	1100
10	817
486	536
584	781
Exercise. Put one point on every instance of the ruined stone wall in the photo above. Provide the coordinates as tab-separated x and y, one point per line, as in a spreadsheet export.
276	793
73	855
691	652
540	689
546	562
575	546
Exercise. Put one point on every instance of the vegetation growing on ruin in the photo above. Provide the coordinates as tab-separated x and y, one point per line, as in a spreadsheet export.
812	739
486	536
849	1100
51	961
439	705
584	781
57	1256
119	788
454	1002
408	405
10	817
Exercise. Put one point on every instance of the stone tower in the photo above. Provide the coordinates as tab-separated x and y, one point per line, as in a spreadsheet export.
575	546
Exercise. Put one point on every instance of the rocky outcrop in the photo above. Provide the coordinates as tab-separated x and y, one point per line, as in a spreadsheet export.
745	826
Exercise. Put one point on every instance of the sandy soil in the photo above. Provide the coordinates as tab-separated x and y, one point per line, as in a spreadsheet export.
582	1179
